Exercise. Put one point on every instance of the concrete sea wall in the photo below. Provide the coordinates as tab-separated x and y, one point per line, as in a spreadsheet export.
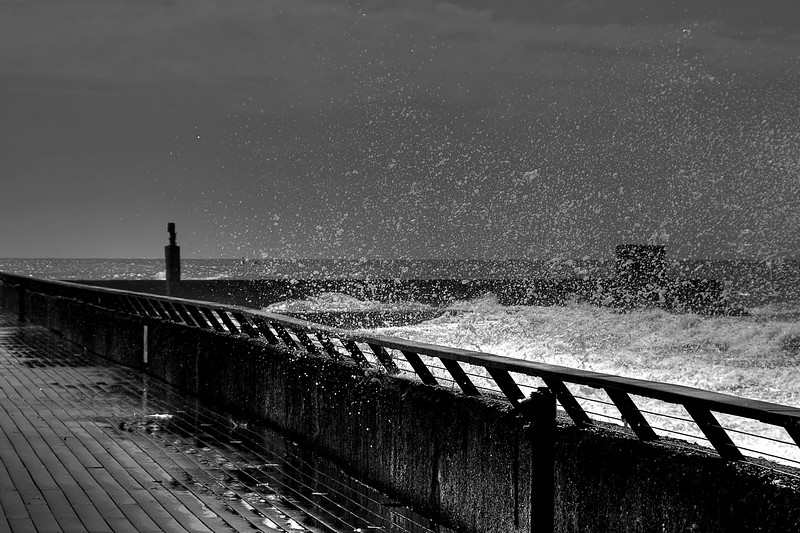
463	460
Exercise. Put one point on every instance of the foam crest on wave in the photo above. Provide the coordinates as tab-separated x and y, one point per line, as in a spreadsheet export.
757	356
337	301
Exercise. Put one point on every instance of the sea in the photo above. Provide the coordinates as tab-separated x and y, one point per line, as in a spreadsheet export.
752	356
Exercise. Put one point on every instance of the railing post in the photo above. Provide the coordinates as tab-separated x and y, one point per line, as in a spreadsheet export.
540	412
172	257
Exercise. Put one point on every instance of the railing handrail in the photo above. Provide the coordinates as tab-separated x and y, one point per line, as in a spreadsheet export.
673	393
698	400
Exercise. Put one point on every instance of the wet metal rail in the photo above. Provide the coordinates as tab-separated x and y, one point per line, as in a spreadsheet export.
474	373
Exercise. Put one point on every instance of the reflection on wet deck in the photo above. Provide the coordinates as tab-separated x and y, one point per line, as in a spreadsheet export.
89	446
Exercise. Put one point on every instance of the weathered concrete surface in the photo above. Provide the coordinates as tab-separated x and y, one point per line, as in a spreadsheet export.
464	460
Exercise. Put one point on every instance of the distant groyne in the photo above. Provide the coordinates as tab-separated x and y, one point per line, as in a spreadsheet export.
640	279
435	438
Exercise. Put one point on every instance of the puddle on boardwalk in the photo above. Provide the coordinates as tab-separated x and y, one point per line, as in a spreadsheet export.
258	474
226	465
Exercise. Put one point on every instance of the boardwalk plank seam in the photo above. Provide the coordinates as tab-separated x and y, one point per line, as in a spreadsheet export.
67	431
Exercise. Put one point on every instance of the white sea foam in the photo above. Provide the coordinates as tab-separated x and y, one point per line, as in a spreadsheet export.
756	356
336	301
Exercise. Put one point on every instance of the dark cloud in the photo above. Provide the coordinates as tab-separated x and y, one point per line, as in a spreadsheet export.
323	127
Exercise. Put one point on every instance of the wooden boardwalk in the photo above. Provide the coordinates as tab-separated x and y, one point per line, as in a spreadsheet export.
87	446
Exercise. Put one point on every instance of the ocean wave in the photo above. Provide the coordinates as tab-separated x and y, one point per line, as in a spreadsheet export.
756	356
337	301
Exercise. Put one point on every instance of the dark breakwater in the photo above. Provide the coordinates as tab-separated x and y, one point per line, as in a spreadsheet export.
641	278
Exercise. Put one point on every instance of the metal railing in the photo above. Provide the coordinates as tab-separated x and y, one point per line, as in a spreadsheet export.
585	396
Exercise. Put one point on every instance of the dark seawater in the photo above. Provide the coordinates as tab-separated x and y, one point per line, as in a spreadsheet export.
755	282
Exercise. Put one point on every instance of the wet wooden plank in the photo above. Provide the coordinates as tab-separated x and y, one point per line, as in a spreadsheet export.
141	480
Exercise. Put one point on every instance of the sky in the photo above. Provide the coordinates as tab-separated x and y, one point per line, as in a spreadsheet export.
399	128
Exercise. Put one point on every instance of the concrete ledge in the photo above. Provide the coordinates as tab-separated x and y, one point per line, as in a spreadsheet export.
463	460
